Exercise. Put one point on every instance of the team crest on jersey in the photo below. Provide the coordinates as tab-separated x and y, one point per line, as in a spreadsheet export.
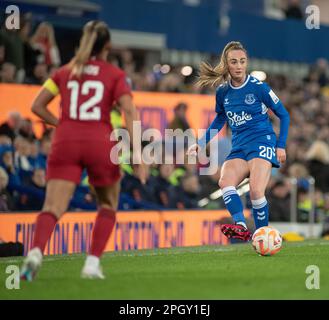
250	98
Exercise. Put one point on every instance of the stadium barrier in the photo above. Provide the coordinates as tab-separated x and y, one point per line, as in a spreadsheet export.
156	109
133	230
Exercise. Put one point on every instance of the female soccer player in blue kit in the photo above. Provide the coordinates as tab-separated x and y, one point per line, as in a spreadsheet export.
242	101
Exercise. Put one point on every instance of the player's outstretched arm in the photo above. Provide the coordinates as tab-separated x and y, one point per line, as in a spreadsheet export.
130	113
213	129
40	104
270	99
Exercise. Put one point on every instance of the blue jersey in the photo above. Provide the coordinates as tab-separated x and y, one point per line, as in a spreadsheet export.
245	109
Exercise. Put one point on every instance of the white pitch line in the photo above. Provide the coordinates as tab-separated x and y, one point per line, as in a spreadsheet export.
136	253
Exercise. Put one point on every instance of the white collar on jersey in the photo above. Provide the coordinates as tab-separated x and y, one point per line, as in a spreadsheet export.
246	81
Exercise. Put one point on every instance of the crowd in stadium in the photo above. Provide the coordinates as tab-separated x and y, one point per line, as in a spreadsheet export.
31	59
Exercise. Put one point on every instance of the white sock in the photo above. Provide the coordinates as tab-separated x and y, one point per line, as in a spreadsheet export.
35	252
92	261
259	203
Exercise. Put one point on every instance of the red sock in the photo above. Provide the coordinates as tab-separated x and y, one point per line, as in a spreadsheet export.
45	225
103	227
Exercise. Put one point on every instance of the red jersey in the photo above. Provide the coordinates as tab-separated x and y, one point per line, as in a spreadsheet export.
86	101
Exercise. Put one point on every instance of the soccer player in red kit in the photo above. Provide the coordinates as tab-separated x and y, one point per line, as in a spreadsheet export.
89	86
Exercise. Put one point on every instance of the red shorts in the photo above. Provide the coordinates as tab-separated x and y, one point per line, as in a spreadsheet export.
67	160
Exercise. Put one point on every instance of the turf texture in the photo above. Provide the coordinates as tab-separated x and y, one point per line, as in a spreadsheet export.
210	272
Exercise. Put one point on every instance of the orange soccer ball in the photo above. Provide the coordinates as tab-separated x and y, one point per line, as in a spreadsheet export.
267	241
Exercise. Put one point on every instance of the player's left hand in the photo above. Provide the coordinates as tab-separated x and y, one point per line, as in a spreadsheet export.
281	155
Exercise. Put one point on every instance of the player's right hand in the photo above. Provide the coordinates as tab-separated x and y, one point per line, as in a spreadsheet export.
193	150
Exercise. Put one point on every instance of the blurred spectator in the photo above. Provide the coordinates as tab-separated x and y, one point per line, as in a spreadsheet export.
163	190
298	171
44	40
278	197
303	204
39	178
5	140
127	62
318	164
34	153
293	10
21	157
180	120
325	230
209	183
13	50
7	163
6	202
2	51
39	74
321	72
45	148
11	126
132	186
188	199
171	82
26	129
177	174
31	55
8	73
32	199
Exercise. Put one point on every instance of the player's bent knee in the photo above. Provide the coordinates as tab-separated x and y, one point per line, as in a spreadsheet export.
223	183
106	211
108	204
57	210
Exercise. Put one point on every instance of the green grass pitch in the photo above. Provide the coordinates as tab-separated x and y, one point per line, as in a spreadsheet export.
211	272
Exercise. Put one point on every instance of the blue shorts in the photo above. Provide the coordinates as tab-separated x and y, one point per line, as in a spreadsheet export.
263	148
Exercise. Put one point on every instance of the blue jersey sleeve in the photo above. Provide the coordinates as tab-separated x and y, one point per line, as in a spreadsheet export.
217	123
270	99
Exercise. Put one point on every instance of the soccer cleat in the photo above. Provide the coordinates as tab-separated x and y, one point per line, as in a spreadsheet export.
236	231
92	272
31	265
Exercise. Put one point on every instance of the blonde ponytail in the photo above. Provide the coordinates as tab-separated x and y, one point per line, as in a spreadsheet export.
212	76
215	76
83	54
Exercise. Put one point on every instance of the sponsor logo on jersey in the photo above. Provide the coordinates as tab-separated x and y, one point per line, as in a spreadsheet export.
274	97
264	108
250	98
238	119
91	70
226	101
